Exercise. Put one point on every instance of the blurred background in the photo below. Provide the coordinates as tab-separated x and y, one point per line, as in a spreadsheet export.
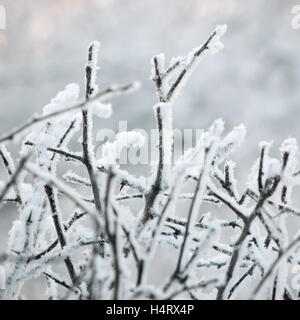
254	80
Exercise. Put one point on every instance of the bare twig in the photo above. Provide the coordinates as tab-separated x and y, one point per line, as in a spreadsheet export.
14	177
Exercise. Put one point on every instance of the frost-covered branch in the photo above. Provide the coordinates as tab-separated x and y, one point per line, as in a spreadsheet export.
111	229
102	95
12	181
167	94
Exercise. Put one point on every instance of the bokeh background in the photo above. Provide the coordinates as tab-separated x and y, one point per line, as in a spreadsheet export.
254	80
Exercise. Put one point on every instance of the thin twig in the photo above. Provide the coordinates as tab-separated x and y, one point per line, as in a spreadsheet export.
273	266
14	177
42	118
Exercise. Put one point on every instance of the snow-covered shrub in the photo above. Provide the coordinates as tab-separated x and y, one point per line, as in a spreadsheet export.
107	246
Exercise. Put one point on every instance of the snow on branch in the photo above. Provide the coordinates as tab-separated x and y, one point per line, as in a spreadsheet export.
109	229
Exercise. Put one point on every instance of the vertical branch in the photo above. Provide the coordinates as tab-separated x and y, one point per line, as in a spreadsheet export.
167	94
90	74
58	224
194	207
260	170
138	261
57	227
112	232
158	62
88	156
156	187
59	230
265	192
188	224
178	269
143	265
236	251
157	77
